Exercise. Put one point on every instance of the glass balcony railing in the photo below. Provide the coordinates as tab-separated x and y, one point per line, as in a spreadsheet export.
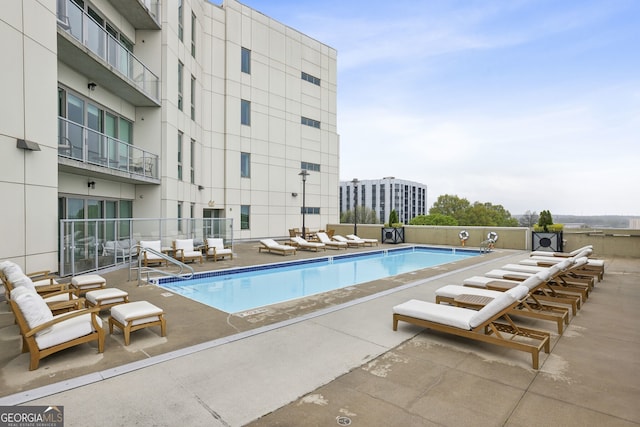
92	244
83	28
89	146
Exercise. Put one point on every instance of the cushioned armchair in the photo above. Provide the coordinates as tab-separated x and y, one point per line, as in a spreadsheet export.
150	257
44	334
184	250
215	249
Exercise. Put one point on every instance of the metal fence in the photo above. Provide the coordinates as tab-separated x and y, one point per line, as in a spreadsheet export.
92	244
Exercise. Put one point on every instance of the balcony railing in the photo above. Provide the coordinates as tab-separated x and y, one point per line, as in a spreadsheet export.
89	146
73	20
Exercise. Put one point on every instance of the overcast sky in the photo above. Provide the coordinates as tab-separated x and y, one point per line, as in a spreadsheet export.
533	105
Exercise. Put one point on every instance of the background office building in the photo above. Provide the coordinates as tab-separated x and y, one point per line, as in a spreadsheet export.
182	109
408	198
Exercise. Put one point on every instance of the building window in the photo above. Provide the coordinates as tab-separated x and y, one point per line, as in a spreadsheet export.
180	216
309	210
180	156
310	78
245	211
193	161
245	66
180	72
180	19
245	165
193	35
310	122
193	98
245	112
310	166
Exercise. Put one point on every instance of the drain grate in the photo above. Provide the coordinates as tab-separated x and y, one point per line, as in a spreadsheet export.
343	421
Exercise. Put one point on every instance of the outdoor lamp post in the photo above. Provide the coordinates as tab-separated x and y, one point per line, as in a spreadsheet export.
304	175
355	205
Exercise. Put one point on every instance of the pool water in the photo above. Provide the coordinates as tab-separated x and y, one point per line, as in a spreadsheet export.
238	290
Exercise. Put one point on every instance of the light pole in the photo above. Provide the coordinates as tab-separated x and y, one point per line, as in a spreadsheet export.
304	175
355	205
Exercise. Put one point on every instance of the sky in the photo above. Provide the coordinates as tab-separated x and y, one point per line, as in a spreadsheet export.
530	104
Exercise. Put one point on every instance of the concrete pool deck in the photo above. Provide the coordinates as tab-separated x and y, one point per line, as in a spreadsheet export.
333	357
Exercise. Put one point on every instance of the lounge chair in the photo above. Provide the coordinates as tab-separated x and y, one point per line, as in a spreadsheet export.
562	254
184	250
44	334
593	267
148	257
45	284
333	244
215	249
368	242
310	246
271	245
481	325
351	243
569	279
531	306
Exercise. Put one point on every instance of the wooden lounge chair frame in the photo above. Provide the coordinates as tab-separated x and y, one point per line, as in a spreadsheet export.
179	253
29	335
491	332
333	244
349	242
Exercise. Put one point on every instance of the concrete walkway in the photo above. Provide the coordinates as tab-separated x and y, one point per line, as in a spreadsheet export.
342	364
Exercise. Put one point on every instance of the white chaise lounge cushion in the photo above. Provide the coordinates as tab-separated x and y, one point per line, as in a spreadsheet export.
484	281
453	291
67	330
24	281
270	243
444	314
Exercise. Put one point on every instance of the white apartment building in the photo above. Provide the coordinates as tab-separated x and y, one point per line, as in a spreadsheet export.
160	109
408	198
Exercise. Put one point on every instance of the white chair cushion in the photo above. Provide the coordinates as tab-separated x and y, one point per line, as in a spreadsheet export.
106	296
497	305
535	280
444	314
501	274
186	244
68	330
268	242
156	245
192	253
215	242
34	309
25	282
484	281
88	280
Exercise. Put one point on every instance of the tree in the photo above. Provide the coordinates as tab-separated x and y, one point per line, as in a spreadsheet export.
545	220
393	217
528	219
365	215
433	219
450	205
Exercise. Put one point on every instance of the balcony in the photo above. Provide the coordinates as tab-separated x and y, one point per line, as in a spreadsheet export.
87	48
81	148
142	14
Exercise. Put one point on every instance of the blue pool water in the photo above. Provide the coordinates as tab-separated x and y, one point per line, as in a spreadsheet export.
242	289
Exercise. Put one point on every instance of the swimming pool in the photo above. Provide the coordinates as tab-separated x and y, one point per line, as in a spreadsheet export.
241	289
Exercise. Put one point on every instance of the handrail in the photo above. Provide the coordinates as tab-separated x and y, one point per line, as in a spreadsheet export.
140	268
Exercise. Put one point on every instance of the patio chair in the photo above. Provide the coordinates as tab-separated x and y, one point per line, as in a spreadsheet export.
44	334
214	248
58	302
333	244
530	306
593	267
481	325
350	243
271	245
44	282
147	257
310	246
562	254
184	250
368	242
